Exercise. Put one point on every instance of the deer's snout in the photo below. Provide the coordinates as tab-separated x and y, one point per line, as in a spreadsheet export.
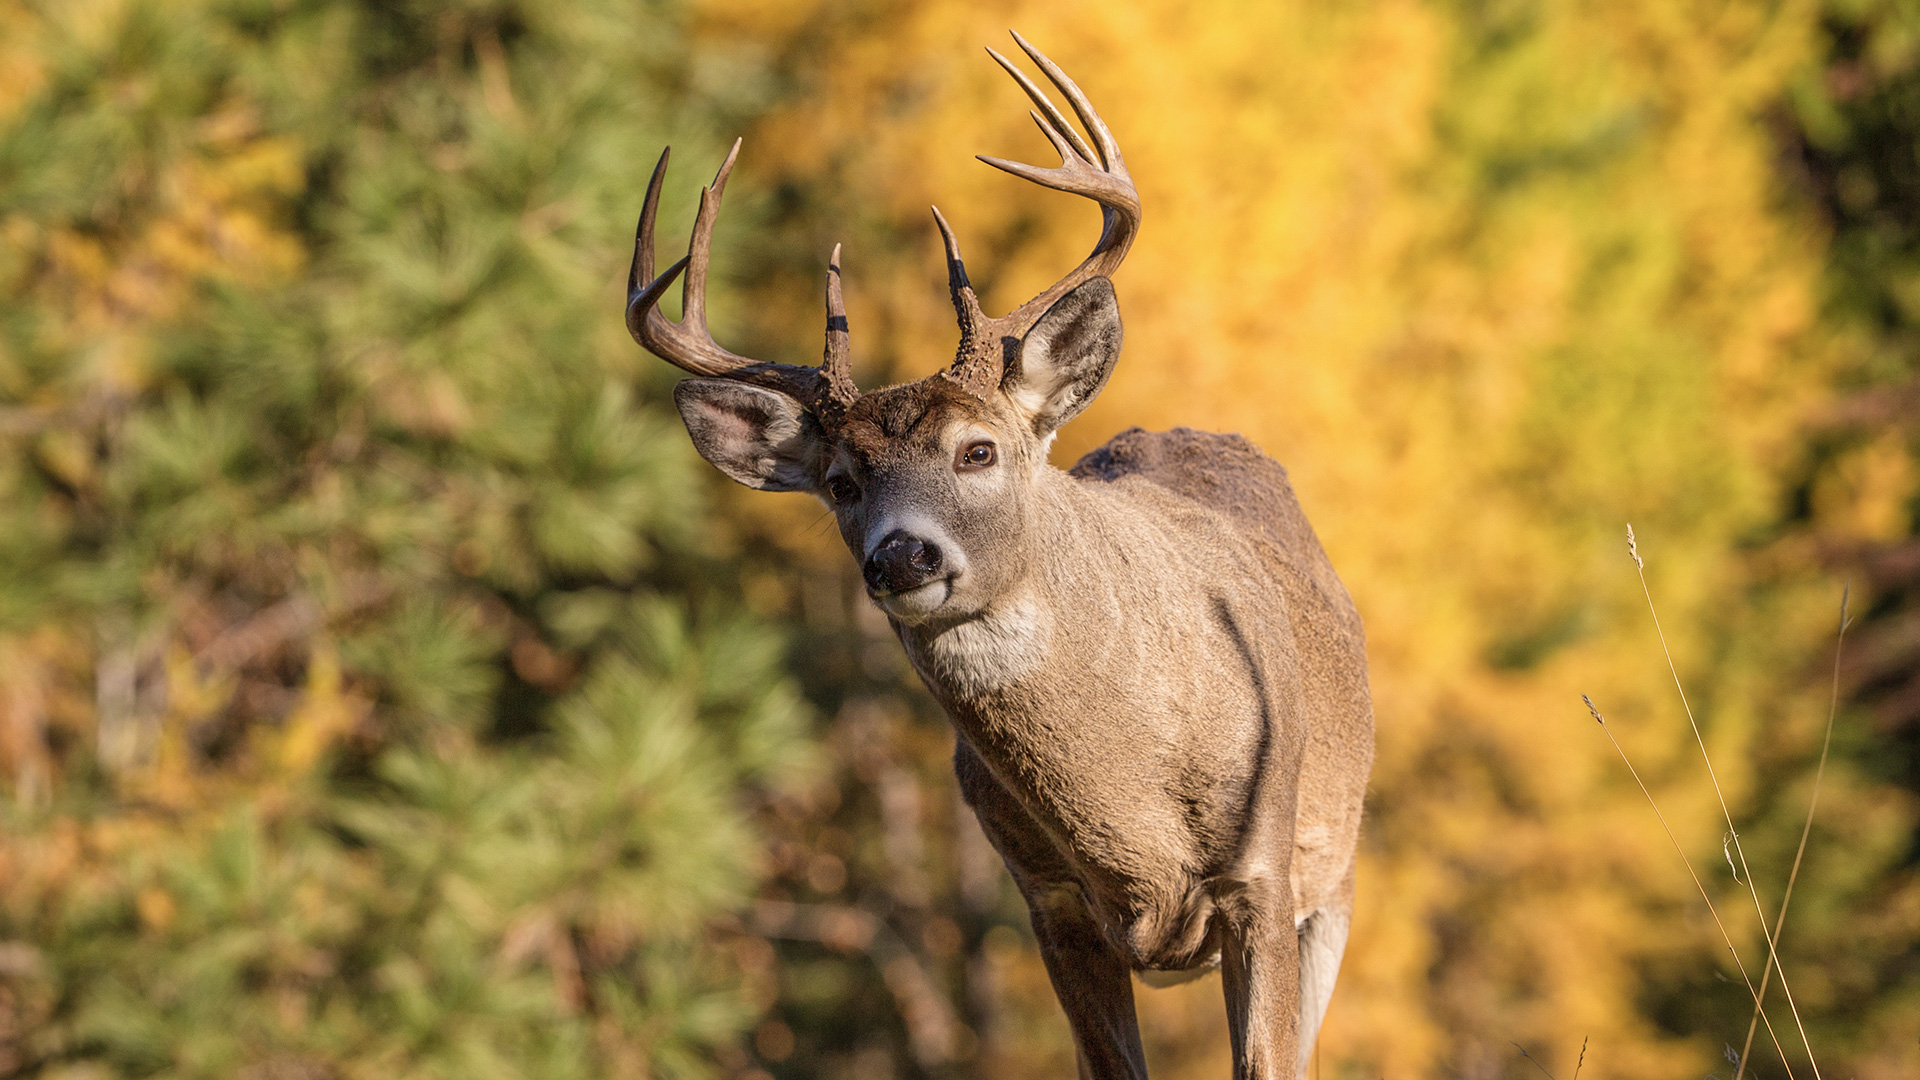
901	562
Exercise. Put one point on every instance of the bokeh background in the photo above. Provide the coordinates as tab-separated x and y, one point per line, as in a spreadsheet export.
387	690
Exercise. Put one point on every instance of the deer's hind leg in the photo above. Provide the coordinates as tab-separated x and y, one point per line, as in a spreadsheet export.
1260	971
1323	940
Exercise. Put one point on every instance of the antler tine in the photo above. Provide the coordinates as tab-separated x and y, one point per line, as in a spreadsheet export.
1055	118
1097	184
642	269
689	345
835	366
837	333
956	267
640	300
965	304
1068	152
693	296
1083	108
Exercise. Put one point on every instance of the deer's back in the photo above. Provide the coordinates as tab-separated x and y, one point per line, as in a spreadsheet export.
1231	476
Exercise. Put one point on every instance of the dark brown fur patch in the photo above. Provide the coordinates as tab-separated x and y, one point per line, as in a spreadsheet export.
881	422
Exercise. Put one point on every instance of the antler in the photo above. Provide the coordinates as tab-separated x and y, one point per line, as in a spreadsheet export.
1096	172
826	391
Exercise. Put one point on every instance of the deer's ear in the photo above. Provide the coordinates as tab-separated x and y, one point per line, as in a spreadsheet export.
761	438
1067	357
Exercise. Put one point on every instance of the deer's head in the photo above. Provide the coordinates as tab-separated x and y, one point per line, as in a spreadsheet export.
930	481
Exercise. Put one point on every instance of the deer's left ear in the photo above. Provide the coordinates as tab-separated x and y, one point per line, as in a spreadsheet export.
1067	357
761	438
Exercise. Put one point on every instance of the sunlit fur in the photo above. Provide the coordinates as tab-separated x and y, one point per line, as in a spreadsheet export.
1158	683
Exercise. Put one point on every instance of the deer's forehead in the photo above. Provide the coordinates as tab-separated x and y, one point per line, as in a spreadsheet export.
909	420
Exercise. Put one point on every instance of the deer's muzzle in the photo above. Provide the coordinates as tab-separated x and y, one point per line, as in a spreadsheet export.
902	562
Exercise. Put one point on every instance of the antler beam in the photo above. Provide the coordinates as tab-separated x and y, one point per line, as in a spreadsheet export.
1089	166
1095	171
826	391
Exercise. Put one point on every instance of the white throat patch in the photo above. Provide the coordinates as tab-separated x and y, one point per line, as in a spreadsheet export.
1001	647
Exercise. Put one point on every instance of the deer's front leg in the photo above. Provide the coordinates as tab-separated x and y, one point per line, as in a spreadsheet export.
1093	983
1260	967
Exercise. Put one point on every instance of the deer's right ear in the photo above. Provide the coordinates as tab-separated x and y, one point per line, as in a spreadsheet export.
1067	357
762	438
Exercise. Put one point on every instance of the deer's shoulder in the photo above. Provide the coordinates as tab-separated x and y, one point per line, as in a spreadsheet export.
1225	473
1232	477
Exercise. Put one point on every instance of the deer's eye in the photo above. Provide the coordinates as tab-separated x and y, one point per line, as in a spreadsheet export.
842	490
979	456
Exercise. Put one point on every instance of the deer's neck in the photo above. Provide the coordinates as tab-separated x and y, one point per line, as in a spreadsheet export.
1001	647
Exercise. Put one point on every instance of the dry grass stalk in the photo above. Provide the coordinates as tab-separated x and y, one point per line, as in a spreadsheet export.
1806	828
1594	710
1530	1057
1536	1061
1773	961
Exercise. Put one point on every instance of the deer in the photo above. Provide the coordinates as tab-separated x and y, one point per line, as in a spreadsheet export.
1157	683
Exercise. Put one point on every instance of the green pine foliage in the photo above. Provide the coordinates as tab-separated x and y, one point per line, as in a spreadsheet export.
374	704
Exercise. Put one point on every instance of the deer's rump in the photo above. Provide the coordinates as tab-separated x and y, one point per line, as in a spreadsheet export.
1231	476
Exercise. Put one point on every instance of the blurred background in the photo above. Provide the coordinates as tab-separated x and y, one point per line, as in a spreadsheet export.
388	691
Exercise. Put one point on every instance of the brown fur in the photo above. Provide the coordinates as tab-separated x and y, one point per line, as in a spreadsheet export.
1158	683
1207	701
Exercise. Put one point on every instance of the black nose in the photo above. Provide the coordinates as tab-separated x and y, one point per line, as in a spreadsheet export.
902	562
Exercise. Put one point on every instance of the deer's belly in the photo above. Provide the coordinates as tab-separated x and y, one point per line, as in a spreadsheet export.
1173	935
1168	933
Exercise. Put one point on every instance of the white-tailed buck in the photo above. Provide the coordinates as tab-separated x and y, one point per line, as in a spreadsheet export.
1159	684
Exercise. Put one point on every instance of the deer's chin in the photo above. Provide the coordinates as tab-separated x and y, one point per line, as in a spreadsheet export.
917	605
